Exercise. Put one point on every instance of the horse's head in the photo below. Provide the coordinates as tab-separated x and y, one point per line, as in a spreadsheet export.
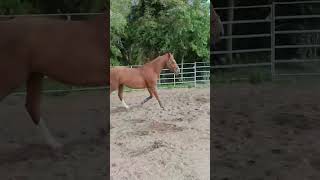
172	64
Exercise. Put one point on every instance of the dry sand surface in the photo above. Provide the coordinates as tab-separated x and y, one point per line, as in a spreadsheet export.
77	120
148	143
266	132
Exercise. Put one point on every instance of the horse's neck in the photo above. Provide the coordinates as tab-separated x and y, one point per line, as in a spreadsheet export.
158	64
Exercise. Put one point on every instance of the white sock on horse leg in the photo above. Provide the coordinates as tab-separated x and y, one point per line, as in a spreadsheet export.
42	127
124	104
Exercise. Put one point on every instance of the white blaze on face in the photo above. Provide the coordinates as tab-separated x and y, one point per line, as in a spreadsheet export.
178	69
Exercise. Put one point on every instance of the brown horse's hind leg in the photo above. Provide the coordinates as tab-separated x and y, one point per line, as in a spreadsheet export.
33	98
113	87
148	98
120	94
155	93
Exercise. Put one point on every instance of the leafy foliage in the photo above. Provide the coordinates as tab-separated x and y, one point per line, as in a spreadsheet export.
159	26
119	12
140	29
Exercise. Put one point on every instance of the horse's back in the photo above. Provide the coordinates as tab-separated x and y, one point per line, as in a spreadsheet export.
70	51
124	72
130	77
73	52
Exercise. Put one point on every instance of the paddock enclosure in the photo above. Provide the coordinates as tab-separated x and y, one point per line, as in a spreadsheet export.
149	143
265	94
268	41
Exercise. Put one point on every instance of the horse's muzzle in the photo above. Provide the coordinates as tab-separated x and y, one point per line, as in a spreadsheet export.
177	72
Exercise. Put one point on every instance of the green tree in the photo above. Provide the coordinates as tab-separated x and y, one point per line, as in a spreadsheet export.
16	7
190	26
119	12
159	26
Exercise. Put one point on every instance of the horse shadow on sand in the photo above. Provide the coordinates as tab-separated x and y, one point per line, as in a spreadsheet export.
70	150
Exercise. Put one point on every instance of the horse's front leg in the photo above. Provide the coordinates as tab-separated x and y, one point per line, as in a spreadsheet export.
120	94
148	98
155	93
33	99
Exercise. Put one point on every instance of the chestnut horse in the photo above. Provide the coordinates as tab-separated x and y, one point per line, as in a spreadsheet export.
142	77
216	32
217	29
72	52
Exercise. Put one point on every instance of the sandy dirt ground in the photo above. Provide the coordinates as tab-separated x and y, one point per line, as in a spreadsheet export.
261	132
150	143
266	132
77	120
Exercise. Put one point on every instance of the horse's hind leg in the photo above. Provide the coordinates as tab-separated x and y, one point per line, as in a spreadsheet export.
33	98
148	98
120	94
113	86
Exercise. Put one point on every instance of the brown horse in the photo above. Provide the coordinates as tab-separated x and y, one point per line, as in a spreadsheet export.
216	32
217	29
142	77
73	52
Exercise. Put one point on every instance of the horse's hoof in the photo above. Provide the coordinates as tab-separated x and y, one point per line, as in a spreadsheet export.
127	107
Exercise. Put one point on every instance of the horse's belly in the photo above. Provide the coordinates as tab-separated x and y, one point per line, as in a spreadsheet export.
135	83
78	76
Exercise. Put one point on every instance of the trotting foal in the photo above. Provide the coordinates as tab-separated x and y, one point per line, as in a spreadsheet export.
142	77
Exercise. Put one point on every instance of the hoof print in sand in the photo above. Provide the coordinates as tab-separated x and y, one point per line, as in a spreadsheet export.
145	150
165	127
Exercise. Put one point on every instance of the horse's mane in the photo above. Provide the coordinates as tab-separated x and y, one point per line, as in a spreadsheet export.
155	59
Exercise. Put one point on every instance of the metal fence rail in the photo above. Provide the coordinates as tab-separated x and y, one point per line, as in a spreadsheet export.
190	74
68	15
271	21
